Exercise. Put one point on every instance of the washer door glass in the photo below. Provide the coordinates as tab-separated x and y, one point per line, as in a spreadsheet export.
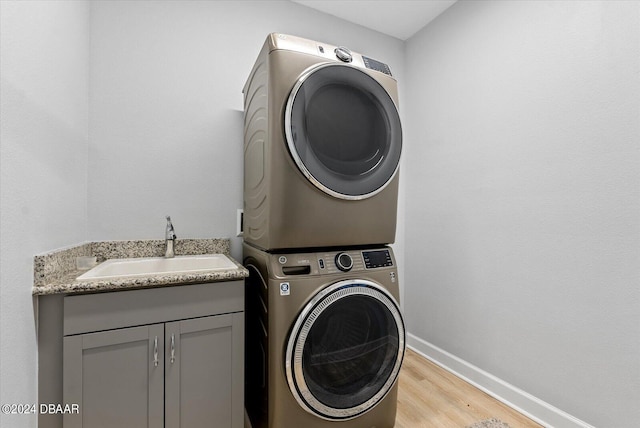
345	350
343	131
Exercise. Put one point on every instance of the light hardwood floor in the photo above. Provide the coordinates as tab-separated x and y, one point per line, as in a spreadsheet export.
431	397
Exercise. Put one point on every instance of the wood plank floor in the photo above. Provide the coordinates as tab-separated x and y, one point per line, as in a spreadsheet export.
431	397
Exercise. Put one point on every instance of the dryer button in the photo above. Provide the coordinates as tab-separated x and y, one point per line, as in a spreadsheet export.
343	54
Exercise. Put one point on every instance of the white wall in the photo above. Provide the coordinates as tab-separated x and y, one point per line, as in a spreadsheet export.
43	161
523	207
520	166
115	113
166	107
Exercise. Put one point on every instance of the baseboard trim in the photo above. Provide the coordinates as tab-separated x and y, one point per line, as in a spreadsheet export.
525	403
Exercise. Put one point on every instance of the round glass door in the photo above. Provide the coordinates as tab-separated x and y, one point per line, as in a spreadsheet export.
343	131
345	350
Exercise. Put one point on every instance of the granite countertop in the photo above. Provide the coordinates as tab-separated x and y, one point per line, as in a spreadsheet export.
56	273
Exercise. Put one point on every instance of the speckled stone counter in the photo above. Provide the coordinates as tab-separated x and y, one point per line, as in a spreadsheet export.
56	272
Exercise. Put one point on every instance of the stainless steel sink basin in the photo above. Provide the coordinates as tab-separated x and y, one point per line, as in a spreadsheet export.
117	268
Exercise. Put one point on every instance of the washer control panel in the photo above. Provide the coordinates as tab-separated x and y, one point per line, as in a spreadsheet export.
357	260
377	258
341	261
332	262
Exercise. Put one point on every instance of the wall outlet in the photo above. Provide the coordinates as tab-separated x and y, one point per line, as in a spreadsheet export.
239	222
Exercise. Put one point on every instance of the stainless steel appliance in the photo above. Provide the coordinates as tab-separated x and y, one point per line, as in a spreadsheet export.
325	338
322	144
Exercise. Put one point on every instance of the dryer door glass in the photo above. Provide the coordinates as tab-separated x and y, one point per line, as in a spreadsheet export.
345	353
343	131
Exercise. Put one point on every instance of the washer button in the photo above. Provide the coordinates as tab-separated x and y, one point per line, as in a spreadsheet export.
344	262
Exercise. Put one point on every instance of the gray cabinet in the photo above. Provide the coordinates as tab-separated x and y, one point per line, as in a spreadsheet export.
199	364
186	370
111	377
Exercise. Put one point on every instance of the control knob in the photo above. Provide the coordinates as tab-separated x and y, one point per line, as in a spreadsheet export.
344	262
343	54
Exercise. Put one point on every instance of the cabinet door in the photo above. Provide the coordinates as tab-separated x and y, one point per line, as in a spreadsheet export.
204	372
116	377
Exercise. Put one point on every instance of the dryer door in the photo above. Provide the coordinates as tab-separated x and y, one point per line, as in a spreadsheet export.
345	350
343	131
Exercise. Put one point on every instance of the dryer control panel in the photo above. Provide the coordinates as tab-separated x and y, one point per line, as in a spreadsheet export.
376	65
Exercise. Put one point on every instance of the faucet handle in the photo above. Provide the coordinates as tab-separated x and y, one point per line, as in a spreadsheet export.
169	239
171	234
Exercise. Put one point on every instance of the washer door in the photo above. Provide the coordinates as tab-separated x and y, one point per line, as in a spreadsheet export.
343	131
345	350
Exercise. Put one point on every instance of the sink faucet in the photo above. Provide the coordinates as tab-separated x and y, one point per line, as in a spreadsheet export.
169	239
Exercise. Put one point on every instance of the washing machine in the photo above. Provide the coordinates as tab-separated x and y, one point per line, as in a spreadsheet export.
322	145
325	338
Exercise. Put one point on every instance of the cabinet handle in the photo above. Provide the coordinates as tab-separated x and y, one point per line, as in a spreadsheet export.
155	352
173	348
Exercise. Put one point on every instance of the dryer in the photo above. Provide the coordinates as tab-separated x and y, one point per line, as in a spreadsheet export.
325	338
322	145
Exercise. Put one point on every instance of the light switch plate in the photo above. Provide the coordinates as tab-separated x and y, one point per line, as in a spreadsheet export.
239	222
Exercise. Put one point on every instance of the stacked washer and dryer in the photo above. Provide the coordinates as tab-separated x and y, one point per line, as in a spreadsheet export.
325	338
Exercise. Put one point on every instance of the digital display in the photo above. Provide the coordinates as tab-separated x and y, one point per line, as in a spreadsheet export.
376	65
376	259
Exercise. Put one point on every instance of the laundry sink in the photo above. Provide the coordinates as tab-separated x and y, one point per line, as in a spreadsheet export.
116	268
